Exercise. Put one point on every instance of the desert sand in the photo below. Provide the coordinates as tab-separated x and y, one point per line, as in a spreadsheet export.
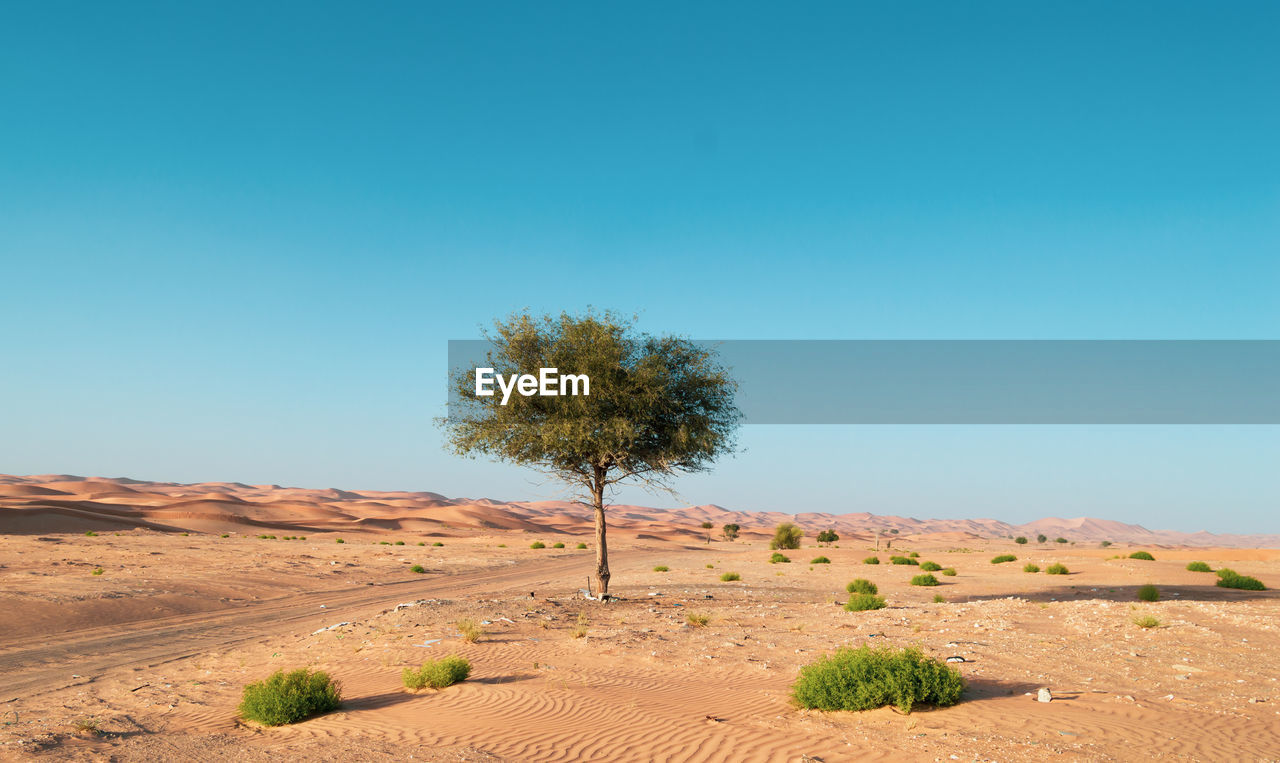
146	659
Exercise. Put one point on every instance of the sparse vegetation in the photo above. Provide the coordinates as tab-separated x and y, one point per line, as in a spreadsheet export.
399	543
437	674
939	598
437	543
471	630
537	544
339	540
930	566
731	531
418	568
88	726
949	571
581	628
697	620
581	546
827	537
1056	569
903	560
862	585
820	560
925	580
98	571
1029	567
914	554
1059	540
1143	555
557	545
786	536
1001	559
1199	567
871	560
662	568
91	533
1232	579
226	535
862	602
290	697
1041	538
1021	540
1146	621
1148	592
1105	543
779	559
729	577
866	678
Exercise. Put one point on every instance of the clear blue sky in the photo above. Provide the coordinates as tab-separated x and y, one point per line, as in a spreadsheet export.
235	238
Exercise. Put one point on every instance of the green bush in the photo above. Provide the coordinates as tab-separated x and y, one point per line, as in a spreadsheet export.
537	544
729	577
925	579
422	543
866	678
820	560
914	554
437	543
787	535
861	602
1029	567
862	586
1056	569
662	568
557	545
779	559
339	540
1004	558
1146	621
871	560
1021	540
290	697
949	572
1199	567
1148	593
1233	579
581	546
91	533
1143	555
418	568
930	566
399	543
902	560
939	598
97	571
437	674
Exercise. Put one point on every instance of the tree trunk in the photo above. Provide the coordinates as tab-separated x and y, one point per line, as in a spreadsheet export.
602	547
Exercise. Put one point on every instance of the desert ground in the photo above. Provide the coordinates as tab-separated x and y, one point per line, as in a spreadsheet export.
146	659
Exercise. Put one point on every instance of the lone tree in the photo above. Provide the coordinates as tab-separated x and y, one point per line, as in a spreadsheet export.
827	537
1021	540
1041	538
731	531
707	526
786	535
657	406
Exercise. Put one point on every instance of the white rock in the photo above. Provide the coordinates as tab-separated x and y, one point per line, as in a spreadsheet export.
1044	695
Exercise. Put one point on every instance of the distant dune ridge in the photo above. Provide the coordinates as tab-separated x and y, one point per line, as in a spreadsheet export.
51	503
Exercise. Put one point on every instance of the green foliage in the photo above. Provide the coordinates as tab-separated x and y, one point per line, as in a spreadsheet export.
399	543
914	554
1059	540
225	535
290	697
339	540
418	568
437	674
90	533
930	566
471	630
1143	555
662	568
861	602
1020	540
1056	569
437	543
925	580
786	535
903	560
580	546
729	577
1105	543
1001	559
1029	567
779	559
871	560
422	543
861	585
949	572
828	536
1199	567
866	678
731	531
697	620
537	544
820	560
938	598
1041	538
1146	621
1148	592
1231	579
97	571
557	545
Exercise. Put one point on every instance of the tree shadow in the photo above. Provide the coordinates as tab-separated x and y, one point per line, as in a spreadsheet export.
1127	593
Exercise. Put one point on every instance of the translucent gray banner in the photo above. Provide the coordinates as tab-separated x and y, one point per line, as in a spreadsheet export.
989	381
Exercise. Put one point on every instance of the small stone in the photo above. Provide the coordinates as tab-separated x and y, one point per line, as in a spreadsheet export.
1044	695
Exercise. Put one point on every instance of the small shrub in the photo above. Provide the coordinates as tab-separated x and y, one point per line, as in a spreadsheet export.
786	535
380	543
471	630
502	545
418	568
779	559
1143	555
537	544
862	585
437	674
866	678
339	540
662	568
91	533
437	544
871	560
1146	621
1021	540
580	546
1029	567
580	630
1242	582
226	535
1199	567
1148	593
862	602
938	598
1105	543
902	560
820	560
729	577
930	566
925	579
88	726
711	566
399	543
1004	558
98	571
698	620
1056	569
914	554
949	572
290	697
557	545
421	543
1059	540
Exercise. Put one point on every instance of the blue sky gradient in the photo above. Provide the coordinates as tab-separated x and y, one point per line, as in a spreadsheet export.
236	238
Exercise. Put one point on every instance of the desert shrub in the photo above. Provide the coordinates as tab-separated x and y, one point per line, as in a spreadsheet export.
1004	558
437	674
930	566
871	560
380	543
1059	540
861	602
1148	593
711	566
290	697
938	598
1143	555
1234	579
866	678
502	545
949	572
1021	540
1146	621
537	544
226	535
98	571
580	630
779	559
1029	567
662	568
421	543
437	544
557	545
820	560
1199	567
399	543
698	620
470	629
418	568
925	579
302	537
1105	543
339	540
1041	538
580	546
861	585
786	535
902	560
91	533
1056	569
729	577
